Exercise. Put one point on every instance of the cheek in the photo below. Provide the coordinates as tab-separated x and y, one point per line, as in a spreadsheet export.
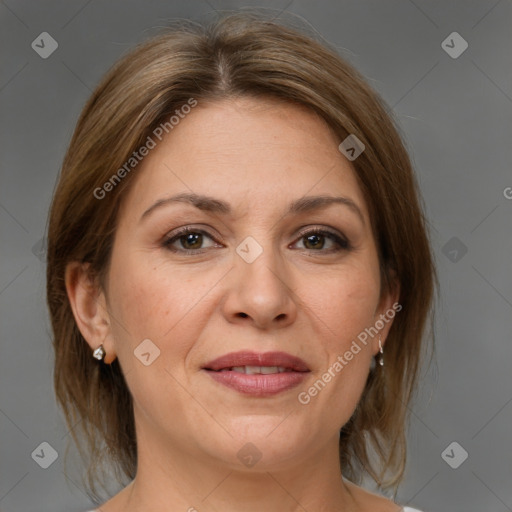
142	295
346	304
344	308
143	302
150	302
159	303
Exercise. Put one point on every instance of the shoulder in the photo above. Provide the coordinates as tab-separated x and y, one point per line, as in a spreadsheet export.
367	500
371	501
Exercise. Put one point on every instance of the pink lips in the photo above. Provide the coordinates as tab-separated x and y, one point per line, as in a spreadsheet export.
258	384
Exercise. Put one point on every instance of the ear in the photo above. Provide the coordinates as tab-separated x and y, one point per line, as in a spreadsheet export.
89	307
386	311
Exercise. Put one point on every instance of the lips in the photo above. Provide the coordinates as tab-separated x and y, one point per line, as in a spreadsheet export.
254	359
259	375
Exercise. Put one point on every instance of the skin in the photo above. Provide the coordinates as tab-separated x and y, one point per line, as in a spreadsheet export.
298	296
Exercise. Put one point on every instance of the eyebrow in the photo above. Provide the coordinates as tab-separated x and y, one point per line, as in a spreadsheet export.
218	206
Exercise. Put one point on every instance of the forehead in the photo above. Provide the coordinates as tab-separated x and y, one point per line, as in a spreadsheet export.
253	153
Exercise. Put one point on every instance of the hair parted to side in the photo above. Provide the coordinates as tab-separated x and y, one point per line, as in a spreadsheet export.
242	54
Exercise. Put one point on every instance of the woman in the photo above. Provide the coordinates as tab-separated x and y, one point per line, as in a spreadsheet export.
239	277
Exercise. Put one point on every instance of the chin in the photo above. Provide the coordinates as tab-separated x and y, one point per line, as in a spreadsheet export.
264	442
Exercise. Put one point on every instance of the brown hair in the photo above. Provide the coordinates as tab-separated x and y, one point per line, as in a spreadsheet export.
239	55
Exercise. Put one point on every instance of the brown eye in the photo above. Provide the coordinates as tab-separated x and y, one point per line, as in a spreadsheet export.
187	240
316	240
191	240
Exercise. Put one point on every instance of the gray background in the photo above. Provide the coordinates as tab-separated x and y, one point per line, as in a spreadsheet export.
456	116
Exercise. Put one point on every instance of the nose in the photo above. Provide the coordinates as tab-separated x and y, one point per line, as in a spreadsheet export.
261	293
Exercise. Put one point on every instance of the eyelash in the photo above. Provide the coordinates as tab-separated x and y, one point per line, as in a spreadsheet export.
343	244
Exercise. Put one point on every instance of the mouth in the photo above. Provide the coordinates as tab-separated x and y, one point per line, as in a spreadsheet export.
256	370
258	374
254	362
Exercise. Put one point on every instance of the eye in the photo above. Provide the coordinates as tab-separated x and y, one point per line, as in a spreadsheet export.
189	239
315	240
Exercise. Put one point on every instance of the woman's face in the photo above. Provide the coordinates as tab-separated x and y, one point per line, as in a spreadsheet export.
250	276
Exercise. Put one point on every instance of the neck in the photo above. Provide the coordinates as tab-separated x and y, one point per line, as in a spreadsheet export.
170	478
